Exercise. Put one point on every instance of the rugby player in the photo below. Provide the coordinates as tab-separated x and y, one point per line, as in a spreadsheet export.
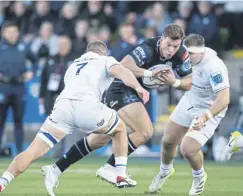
196	116
78	107
159	50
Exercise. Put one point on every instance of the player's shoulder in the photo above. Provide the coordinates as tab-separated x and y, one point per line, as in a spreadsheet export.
182	54
153	42
215	63
150	45
110	60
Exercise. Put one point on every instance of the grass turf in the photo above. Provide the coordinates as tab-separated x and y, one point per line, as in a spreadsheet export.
223	179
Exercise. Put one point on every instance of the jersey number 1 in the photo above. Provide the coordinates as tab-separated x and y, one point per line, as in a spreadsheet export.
81	66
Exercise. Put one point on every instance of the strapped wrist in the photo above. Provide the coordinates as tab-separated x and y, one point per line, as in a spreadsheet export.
208	115
147	73
177	83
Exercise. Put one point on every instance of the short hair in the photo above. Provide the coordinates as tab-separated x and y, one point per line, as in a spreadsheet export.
194	40
9	23
173	31
97	46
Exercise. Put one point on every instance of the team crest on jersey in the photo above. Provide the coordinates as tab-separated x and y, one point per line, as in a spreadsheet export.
186	65
217	78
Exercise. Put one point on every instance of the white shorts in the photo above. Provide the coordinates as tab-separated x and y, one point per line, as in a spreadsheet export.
185	112
87	116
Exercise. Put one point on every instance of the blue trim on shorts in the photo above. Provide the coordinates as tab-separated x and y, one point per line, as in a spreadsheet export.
49	136
121	165
114	124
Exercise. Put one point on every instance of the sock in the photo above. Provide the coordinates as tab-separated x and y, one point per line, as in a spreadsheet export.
200	172
131	146
121	166
239	142
8	176
75	153
56	170
131	149
165	168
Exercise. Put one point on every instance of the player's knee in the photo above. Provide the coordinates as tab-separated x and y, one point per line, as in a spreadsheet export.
148	134
187	151
167	145
121	126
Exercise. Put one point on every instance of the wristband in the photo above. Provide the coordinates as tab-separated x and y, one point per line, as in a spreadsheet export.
177	83
147	73
208	115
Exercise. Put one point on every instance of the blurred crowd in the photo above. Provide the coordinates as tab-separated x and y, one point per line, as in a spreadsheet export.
54	33
121	24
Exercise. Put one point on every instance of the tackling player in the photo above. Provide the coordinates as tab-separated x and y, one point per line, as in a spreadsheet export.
196	116
159	50
79	107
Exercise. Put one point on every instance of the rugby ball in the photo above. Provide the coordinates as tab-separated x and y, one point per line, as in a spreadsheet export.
153	82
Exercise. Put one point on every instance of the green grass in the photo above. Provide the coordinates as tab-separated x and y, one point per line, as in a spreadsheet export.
223	179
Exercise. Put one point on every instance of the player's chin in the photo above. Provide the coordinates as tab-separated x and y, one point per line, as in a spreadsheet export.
168	56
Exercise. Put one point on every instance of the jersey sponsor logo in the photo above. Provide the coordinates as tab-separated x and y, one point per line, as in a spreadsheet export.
137	54
185	56
113	103
140	49
217	78
101	123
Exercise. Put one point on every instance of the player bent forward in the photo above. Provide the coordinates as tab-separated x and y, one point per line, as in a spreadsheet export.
197	115
79	107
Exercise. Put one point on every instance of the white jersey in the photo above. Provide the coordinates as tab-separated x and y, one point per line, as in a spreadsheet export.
88	77
209	77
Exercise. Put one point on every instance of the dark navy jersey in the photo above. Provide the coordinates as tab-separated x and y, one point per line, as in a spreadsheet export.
147	54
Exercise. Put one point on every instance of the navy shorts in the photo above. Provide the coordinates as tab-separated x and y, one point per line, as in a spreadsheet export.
119	95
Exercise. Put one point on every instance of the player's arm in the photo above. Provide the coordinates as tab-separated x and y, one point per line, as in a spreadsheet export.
141	55
219	81
221	102
118	71
220	84
130	64
186	83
